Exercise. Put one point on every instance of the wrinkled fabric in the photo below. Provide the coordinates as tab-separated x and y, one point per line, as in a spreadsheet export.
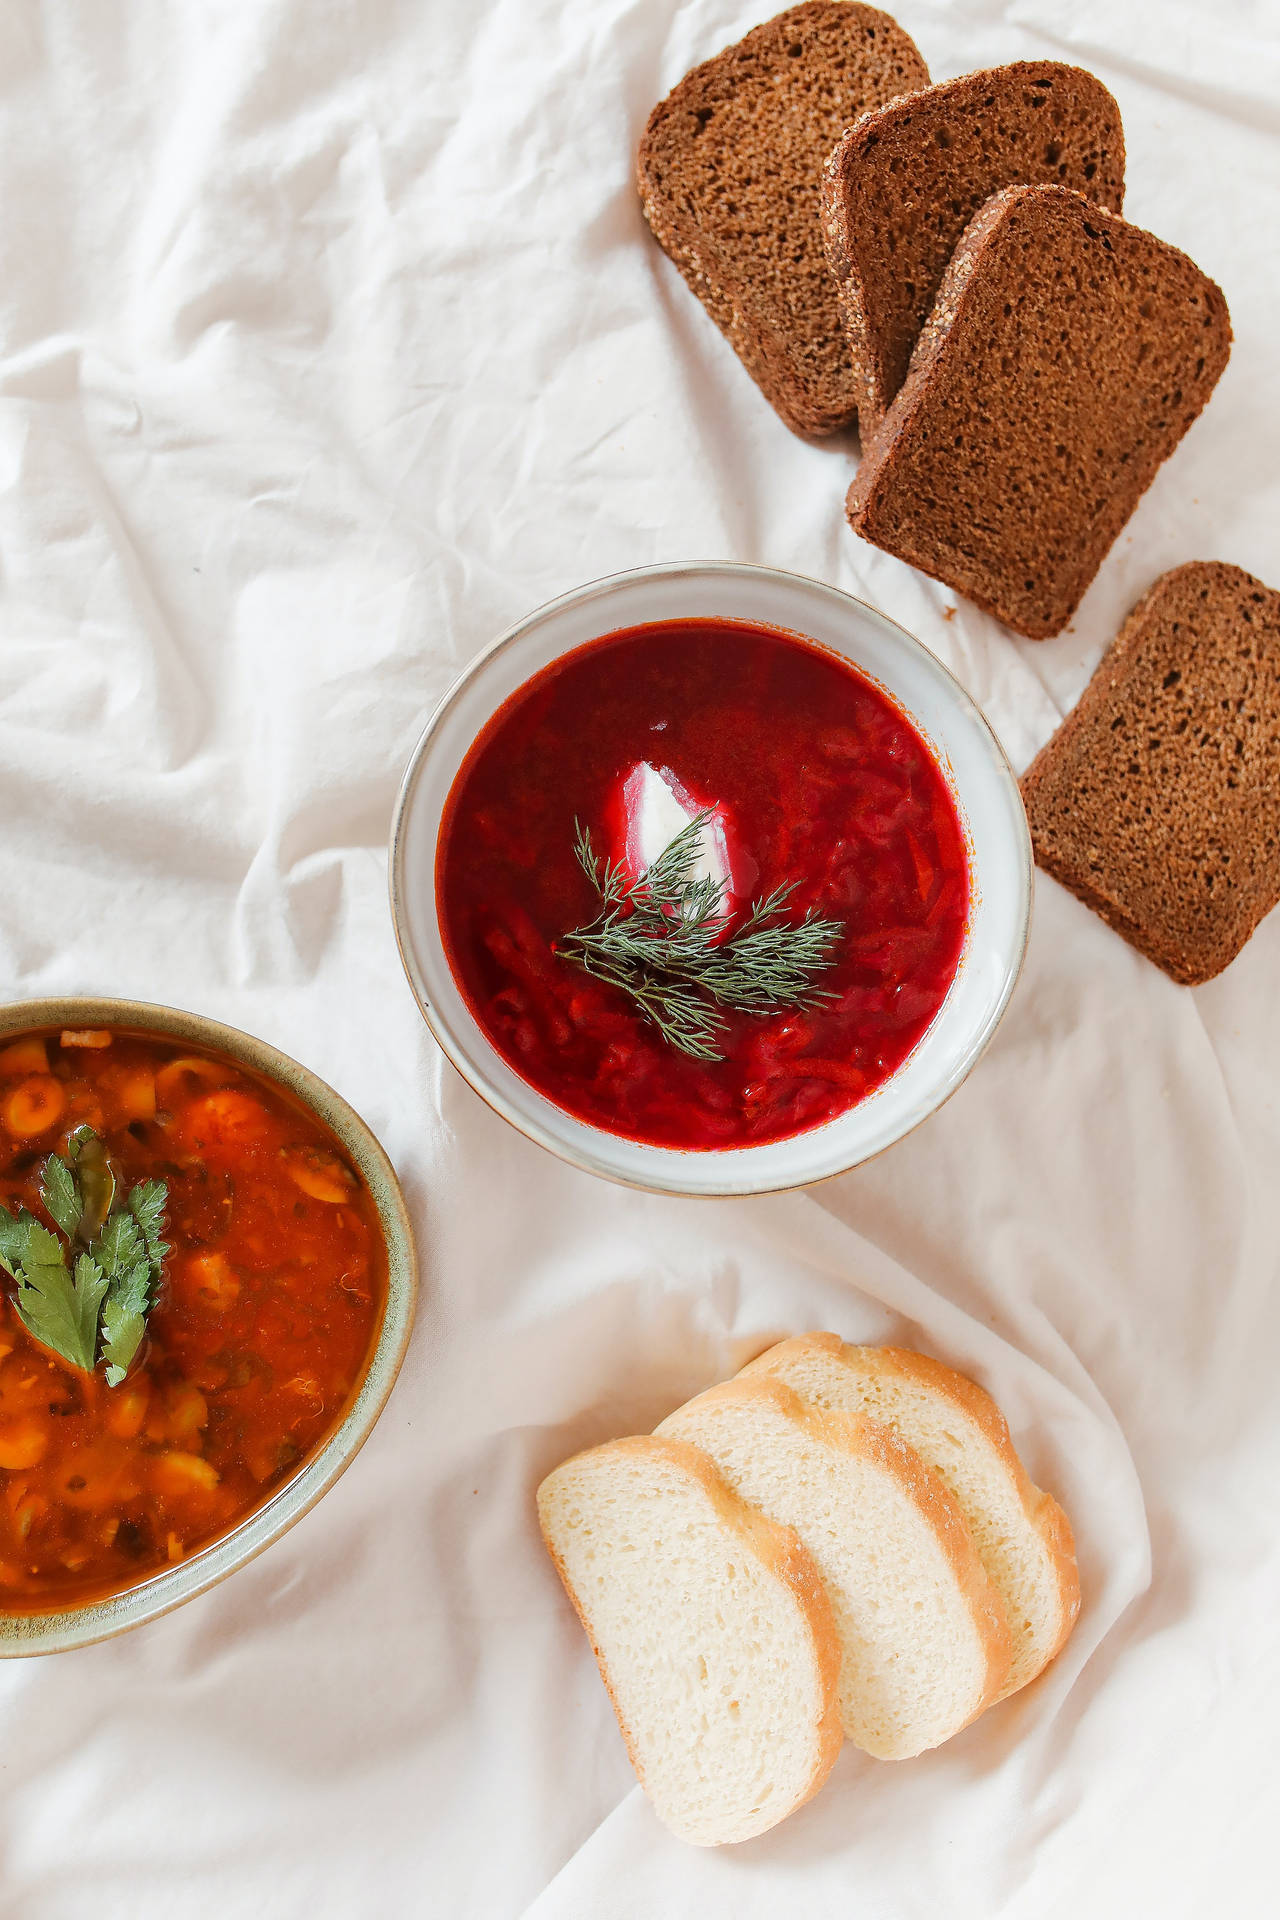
331	342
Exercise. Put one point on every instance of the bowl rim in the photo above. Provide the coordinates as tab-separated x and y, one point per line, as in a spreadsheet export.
528	1123
63	1629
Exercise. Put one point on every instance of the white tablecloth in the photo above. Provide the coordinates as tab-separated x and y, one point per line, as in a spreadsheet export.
331	341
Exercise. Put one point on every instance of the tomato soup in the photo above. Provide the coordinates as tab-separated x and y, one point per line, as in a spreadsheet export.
269	1303
811	778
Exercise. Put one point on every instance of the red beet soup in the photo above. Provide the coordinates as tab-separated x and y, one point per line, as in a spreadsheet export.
803	774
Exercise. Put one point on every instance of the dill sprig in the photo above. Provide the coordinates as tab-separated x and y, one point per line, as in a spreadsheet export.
662	940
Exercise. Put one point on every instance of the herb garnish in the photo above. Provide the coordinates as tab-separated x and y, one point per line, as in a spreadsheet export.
662	940
110	1285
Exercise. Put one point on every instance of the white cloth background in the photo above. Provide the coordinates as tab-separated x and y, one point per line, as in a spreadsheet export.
331	341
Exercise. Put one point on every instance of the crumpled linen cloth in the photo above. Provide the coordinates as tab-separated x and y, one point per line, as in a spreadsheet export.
332	341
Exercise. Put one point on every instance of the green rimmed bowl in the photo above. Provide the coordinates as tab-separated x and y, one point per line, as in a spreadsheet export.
157	1593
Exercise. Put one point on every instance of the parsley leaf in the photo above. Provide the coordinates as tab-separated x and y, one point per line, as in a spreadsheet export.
95	1180
124	1320
121	1246
112	1285
147	1204
13	1239
123	1253
60	1192
58	1307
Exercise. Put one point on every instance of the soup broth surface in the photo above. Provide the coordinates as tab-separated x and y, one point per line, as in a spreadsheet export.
823	785
270	1303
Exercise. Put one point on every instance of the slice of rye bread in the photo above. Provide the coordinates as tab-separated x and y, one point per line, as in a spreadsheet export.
1157	802
1066	355
729	171
711	1629
903	184
1022	1535
926	1645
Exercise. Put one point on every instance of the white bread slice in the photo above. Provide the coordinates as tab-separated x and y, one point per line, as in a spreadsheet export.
711	1630
1022	1535
923	1635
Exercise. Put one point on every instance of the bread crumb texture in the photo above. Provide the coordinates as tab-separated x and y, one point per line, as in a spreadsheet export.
1066	355
925	1643
729	173
1158	800
1021	1534
711	1629
902	185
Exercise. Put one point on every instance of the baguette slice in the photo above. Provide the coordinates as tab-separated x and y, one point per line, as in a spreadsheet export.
1157	802
1022	1535
712	1633
903	184
923	1635
729	172
1066	355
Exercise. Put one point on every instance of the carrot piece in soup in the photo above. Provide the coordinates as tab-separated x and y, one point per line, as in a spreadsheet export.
34	1106
227	1118
184	1473
99	1479
187	1412
127	1409
136	1097
209	1279
321	1176
179	1079
28	1512
25	1056
22	1444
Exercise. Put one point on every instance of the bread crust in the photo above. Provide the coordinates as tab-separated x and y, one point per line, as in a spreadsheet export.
894	150
1044	1515
912	453
869	1440
723	286
1151	624
779	1549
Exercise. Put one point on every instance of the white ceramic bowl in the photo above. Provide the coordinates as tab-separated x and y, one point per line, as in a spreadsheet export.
981	782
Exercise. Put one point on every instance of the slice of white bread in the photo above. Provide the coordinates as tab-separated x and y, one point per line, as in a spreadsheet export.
923	1635
711	1629
1022	1535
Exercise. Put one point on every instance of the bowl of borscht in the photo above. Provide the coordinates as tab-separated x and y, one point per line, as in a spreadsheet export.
711	879
207	1282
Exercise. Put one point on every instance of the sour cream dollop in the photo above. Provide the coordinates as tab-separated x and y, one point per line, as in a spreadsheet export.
651	806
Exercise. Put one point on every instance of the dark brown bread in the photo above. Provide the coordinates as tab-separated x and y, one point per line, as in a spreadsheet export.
903	184
1157	801
1066	355
729	172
